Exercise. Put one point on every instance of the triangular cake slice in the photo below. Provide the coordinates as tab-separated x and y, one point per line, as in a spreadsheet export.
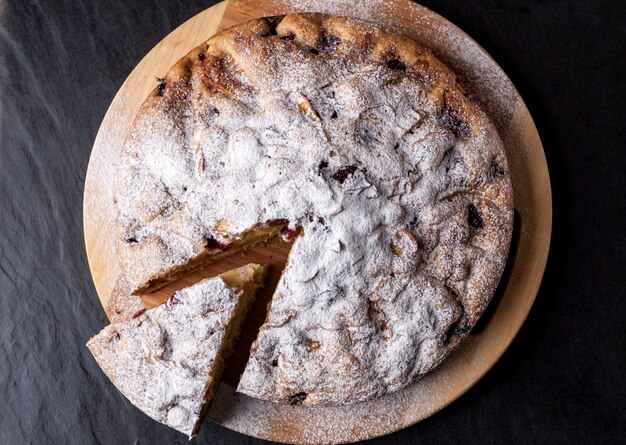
168	360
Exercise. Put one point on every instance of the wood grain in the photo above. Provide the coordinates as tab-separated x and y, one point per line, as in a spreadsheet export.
477	353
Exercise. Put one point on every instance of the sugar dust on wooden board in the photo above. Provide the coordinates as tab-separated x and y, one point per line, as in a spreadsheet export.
363	9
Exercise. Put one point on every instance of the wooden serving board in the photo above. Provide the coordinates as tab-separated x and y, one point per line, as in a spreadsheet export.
478	352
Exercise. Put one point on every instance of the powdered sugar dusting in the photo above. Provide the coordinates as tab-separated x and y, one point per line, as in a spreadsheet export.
321	425
98	209
403	203
363	9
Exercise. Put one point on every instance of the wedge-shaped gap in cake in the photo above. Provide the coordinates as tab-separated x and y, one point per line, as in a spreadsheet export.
274	254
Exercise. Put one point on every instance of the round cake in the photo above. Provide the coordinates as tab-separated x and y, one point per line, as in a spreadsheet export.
357	144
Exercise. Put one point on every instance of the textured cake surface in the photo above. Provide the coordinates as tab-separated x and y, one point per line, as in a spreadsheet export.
165	360
360	142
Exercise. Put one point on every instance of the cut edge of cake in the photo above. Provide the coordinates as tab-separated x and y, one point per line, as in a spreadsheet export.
249	279
210	254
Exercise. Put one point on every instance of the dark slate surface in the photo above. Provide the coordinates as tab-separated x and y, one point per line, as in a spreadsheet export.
61	63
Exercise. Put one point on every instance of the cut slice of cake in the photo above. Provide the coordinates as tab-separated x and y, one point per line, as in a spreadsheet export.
168	360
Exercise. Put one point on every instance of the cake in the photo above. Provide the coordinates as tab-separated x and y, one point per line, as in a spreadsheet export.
358	145
168	360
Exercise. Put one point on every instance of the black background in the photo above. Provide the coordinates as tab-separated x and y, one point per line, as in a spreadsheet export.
562	380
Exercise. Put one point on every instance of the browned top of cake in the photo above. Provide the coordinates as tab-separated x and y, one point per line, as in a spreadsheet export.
364	141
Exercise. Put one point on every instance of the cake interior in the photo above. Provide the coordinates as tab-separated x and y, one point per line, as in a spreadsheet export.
247	279
209	256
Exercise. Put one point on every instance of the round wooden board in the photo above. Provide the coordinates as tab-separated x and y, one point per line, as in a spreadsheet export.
478	352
